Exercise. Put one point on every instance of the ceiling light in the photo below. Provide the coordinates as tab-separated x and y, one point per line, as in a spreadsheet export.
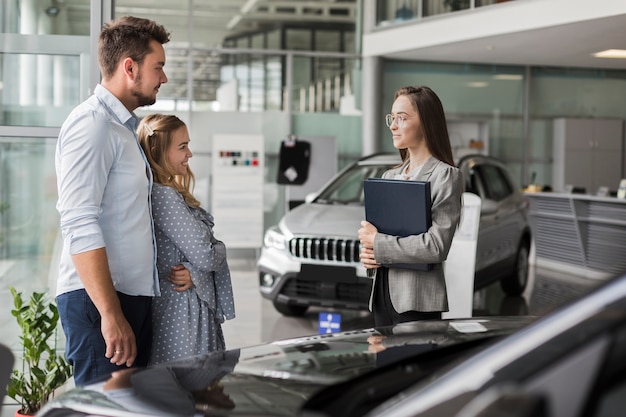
508	77
233	22
477	84
611	53
250	4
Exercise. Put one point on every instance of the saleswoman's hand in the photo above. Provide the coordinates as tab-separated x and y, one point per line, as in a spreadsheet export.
367	258
367	233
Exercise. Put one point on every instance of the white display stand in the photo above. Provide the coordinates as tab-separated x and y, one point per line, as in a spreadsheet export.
237	189
461	262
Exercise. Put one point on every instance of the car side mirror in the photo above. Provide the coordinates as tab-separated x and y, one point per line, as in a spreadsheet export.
309	198
506	401
488	206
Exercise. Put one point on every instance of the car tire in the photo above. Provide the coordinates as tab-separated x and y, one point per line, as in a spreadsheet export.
291	310
515	282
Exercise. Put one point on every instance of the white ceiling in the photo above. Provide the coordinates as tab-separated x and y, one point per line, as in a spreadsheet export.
568	45
558	45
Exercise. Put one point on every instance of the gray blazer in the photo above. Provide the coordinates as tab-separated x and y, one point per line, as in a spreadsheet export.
423	290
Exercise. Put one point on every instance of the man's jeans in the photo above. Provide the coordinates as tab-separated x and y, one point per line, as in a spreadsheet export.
85	347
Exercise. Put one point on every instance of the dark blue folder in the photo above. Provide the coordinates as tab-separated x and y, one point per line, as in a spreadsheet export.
398	208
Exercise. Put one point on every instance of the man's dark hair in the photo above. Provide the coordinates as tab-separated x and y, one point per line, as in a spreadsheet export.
127	36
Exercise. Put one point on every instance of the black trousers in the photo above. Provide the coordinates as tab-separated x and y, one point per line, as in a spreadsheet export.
384	313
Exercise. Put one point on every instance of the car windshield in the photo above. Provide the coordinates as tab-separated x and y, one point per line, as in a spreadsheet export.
348	187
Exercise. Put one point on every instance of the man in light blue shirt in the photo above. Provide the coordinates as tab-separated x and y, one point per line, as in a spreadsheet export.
107	275
104	191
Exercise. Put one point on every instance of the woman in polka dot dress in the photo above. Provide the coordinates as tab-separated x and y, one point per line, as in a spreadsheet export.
187	317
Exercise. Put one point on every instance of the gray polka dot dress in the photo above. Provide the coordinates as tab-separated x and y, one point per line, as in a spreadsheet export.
188	323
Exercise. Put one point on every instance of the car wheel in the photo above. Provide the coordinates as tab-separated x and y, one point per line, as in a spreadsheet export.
291	310
515	283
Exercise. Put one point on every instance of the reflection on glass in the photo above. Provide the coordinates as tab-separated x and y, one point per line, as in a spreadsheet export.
45	17
29	222
251	82
320	83
349	190
394	11
38	89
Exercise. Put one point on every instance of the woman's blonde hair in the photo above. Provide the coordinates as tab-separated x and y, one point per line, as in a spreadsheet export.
155	136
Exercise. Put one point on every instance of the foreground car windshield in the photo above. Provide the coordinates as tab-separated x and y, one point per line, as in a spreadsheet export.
348	188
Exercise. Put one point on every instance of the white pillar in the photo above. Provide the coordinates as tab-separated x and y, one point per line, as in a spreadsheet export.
28	63
60	83
371	81
45	23
371	93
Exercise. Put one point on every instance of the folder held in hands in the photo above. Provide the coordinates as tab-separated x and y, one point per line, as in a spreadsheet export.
398	208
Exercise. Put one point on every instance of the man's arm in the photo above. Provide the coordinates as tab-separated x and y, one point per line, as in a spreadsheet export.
93	270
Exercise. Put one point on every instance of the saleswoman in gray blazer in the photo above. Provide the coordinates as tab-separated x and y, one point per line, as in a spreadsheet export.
419	130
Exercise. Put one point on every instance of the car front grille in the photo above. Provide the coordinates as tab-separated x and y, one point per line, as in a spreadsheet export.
341	294
341	250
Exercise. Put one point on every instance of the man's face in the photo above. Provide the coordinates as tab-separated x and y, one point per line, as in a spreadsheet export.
150	76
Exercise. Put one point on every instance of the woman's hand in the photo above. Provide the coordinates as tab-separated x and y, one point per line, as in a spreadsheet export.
367	258
367	233
181	278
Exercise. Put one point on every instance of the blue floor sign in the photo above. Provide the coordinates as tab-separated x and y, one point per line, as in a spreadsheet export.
329	323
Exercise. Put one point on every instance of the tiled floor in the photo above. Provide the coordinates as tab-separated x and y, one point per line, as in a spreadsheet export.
258	322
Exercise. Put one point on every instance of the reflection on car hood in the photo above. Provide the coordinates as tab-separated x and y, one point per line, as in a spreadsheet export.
324	219
273	379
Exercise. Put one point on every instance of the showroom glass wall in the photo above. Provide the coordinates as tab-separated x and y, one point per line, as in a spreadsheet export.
518	103
394	11
43	75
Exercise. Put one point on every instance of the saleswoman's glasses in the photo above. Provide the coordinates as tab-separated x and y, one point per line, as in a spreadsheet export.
399	119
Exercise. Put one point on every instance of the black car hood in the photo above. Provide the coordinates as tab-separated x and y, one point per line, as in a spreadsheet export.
273	379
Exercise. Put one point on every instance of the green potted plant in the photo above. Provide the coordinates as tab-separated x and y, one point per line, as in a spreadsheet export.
42	370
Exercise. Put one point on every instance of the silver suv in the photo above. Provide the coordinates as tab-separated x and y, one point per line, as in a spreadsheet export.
311	258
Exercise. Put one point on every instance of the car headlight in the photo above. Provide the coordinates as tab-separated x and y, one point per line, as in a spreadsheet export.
275	239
